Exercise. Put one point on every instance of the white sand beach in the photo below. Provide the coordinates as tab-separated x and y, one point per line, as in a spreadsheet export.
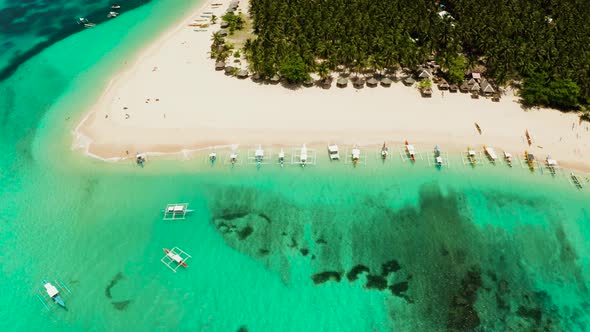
171	99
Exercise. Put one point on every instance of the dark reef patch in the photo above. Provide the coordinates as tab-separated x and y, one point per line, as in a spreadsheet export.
376	282
122	305
320	278
112	283
389	267
353	274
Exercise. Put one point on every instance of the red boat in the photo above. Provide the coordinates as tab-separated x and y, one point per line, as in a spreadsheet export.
175	257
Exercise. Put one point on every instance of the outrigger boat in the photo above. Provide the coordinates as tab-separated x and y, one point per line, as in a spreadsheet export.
478	128
259	155
437	157
576	180
140	159
303	156
551	164
233	157
83	21
508	158
528	137
282	158
175	258
356	153
411	151
384	151
471	156
491	154
333	152
115	6
212	157
176	211
112	14
530	159
52	292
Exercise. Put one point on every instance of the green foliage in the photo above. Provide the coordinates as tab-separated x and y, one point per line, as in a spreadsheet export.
235	22
511	38
213	19
425	84
456	69
540	89
237	54
294	70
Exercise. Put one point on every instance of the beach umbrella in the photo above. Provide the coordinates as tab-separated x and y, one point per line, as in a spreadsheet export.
326	83
242	73
453	88
220	65
386	82
409	80
229	70
359	83
372	82
308	82
342	82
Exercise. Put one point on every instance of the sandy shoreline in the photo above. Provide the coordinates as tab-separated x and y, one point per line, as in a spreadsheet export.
171	99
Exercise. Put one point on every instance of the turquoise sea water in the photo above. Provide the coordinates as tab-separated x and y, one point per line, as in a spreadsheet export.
383	247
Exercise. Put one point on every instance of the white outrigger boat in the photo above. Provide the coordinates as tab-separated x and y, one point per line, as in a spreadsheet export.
259	155
52	292
175	258
303	156
551	164
112	14
282	158
575	180
140	159
333	152
410	151
356	154
490	153
176	211
438	161
233	157
384	151
212	157
471	156
508	158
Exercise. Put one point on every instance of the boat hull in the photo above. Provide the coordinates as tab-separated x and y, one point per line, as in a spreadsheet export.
181	263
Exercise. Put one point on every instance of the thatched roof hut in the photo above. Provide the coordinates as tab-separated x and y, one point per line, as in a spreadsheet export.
342	82
443	85
224	24
242	73
219	65
453	88
326	83
372	82
308	82
464	87
275	79
486	88
409	81
475	88
424	73
359	83
386	82
426	92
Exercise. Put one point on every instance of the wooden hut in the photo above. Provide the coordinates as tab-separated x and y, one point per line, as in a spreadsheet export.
426	92
486	88
372	82
464	87
409	81
453	88
326	83
443	85
342	82
359	83
424	73
474	88
386	82
219	65
242	73
229	70
308	82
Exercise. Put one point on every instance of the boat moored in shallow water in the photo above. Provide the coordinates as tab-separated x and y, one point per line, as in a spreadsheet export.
410	151
508	158
437	157
175	258
471	156
53	292
356	153
384	151
303	156
333	152
282	158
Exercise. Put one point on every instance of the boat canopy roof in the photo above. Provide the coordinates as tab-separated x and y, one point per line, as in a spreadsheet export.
51	290
259	152
551	162
491	153
333	148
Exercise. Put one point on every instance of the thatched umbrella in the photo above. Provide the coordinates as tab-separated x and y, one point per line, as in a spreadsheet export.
229	70
308	82
275	79
427	92
326	83
372	82
443	85
256	77
342	82
224	24
219	65
409	81
386	82
222	32
453	88
243	73
359	83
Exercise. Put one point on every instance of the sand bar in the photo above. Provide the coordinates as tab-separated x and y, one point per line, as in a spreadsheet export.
172	99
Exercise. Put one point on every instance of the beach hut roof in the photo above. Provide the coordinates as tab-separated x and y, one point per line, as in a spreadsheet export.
219	65
359	82
476	76
465	85
342	81
409	80
229	69
372	82
453	87
242	73
386	81
275	78
424	73
475	87
487	87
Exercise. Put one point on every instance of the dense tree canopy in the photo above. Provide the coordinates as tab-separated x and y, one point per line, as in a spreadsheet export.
513	39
